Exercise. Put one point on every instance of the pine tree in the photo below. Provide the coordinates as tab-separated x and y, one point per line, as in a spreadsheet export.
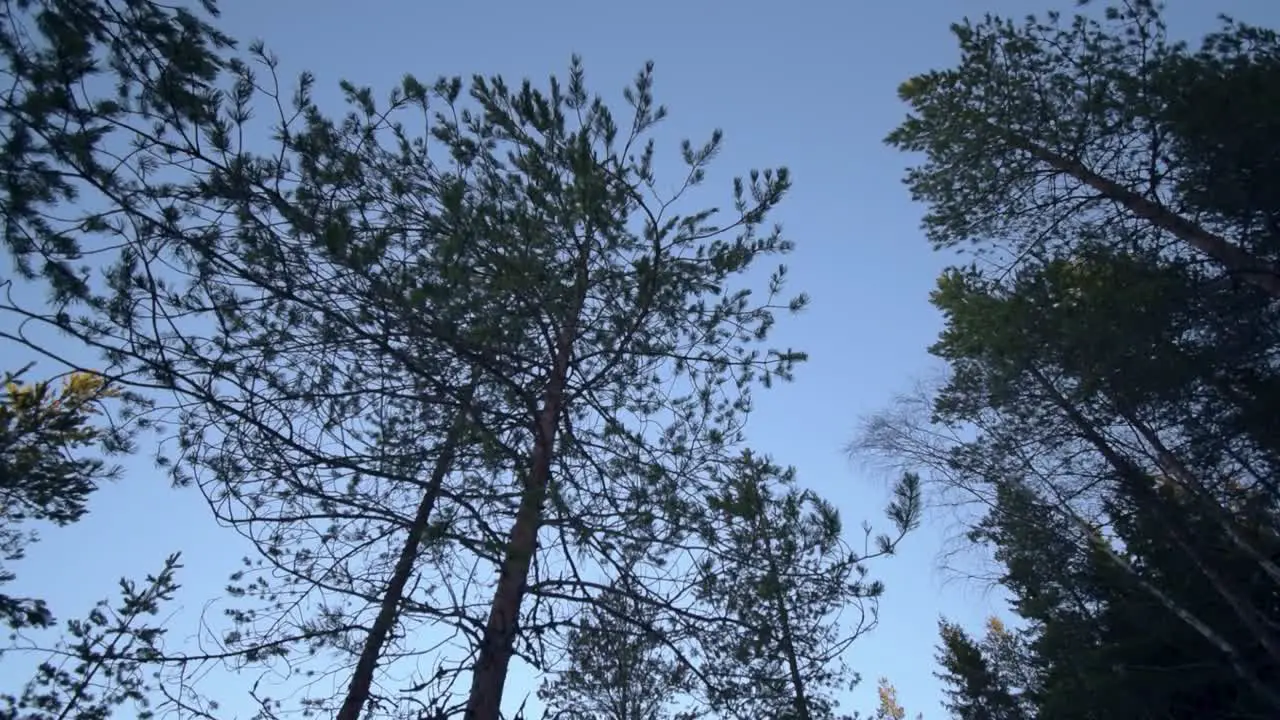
86	76
397	368
1101	399
620	666
86	79
785	574
45	475
1061	124
1218	117
48	474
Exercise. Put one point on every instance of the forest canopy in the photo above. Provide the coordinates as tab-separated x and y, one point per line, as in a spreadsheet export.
459	361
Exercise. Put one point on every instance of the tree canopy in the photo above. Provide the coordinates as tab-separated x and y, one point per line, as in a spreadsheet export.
1106	360
471	380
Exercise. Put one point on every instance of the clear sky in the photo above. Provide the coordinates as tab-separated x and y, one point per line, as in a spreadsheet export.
807	84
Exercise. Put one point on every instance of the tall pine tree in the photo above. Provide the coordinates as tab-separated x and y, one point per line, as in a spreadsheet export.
1105	371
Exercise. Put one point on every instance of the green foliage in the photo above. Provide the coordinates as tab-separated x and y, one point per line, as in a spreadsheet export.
85	77
1101	408
104	661
986	678
323	304
1218	113
786	575
522	244
1052	131
508	288
621	665
1070	87
1081	383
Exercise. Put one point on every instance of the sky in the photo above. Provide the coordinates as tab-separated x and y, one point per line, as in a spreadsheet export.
810	85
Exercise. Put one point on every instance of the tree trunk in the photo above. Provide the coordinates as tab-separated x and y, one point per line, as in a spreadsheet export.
362	678
496	647
788	641
1174	467
1133	476
1251	269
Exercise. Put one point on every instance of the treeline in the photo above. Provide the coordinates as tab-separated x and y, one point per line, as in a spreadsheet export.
1109	410
475	394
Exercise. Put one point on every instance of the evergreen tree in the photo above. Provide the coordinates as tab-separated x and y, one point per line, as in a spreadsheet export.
104	662
44	474
1063	125
397	367
620	666
785	574
889	709
48	476
1098	466
779	584
572	298
1104	374
1123	549
983	677
1218	117
86	79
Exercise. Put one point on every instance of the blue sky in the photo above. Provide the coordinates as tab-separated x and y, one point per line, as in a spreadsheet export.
807	84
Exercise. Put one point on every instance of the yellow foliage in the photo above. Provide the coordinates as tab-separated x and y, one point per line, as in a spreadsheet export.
996	627
64	412
889	708
911	88
79	390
